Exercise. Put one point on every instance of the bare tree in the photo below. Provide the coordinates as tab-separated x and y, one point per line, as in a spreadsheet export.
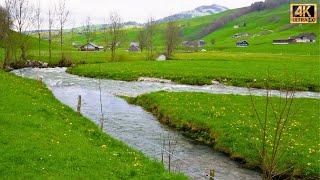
274	123
72	32
89	33
142	38
6	34
116	33
39	23
50	26
4	25
88	30
150	31
23	18
63	14
105	35
172	37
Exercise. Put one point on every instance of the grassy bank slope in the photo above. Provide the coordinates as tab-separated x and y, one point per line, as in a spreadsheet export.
229	121
41	138
239	69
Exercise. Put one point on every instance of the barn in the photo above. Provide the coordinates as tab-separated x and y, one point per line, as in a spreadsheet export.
193	44
305	38
302	38
242	44
90	47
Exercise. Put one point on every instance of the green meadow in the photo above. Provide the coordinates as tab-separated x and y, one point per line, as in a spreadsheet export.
230	122
237	69
41	138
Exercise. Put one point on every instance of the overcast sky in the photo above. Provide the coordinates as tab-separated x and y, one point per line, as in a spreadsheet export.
132	10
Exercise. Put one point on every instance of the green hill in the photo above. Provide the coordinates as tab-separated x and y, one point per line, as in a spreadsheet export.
189	28
262	27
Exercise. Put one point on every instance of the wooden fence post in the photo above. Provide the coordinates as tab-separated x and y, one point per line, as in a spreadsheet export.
101	122
79	105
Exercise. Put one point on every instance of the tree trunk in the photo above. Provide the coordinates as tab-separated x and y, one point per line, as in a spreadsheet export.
23	52
39	41
50	49
61	42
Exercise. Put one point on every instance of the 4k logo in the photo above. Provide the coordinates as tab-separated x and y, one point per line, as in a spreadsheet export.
303	13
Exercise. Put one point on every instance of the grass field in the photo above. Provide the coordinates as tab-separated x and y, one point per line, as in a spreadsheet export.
230	121
41	138
238	69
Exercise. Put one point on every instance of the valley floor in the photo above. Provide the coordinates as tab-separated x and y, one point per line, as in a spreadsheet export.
48	129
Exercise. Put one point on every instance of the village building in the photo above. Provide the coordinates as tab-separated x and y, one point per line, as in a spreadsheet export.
242	44
194	44
283	41
302	38
305	38
134	47
201	43
91	47
238	35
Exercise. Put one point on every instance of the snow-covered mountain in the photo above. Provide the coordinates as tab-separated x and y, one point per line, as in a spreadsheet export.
200	11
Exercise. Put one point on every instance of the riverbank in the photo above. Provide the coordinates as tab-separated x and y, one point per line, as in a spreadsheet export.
235	69
200	68
42	138
227	122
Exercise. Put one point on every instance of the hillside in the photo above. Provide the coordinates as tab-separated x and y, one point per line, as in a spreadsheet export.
262	28
189	28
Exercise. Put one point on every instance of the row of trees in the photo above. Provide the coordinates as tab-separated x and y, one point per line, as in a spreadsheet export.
146	38
18	18
114	33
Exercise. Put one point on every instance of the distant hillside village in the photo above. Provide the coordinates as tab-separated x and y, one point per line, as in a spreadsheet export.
199	45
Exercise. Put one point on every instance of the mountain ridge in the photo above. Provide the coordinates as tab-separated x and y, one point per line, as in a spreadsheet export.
204	10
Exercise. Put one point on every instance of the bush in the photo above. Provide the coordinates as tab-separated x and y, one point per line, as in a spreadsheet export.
65	61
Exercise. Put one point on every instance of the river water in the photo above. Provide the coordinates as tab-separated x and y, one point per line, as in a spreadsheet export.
140	129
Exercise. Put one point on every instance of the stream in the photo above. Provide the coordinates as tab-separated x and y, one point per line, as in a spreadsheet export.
140	129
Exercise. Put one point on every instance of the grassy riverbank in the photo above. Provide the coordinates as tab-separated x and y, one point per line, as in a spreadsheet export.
229	121
41	138
238	69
